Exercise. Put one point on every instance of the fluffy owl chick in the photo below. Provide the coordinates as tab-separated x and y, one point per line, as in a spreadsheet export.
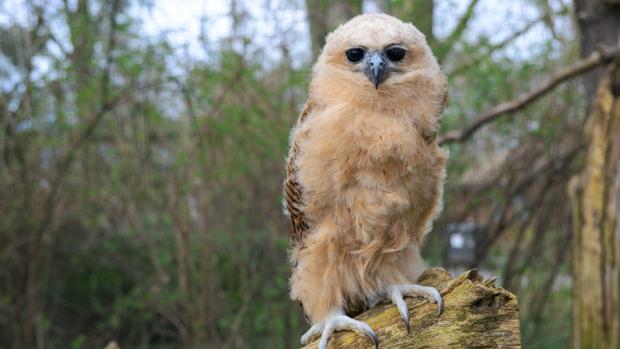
365	174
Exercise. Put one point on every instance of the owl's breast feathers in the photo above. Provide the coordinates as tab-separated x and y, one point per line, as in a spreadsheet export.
340	156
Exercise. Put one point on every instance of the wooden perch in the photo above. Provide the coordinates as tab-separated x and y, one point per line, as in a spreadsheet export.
476	315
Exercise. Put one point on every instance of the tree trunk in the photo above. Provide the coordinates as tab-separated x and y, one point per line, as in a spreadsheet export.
419	12
596	249
476	315
596	206
324	16
598	22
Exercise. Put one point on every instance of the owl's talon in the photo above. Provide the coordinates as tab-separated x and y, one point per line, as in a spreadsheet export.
337	322
314	331
395	294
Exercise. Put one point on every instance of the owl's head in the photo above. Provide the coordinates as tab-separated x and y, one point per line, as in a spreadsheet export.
377	59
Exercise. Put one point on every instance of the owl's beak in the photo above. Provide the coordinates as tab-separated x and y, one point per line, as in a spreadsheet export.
376	68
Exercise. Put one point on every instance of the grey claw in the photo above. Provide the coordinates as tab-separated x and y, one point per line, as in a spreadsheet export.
396	291
405	318
372	335
397	298
440	307
408	326
340	322
439	302
374	339
435	297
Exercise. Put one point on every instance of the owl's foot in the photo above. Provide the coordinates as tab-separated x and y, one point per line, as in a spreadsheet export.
396	292
337	321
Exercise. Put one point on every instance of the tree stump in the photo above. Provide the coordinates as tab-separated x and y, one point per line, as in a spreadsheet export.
476	315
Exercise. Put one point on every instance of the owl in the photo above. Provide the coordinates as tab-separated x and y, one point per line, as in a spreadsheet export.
364	174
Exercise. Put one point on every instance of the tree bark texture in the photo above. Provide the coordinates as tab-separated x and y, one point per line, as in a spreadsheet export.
596	206
324	16
598	22
476	315
419	12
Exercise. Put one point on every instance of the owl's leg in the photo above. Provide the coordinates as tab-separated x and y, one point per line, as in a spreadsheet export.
396	292
336	321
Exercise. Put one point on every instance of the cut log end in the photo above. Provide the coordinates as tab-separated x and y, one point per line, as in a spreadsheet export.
476	314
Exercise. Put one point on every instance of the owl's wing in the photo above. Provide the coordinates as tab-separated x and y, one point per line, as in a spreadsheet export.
293	191
430	134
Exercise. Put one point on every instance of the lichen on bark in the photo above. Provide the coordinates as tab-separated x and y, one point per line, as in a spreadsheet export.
595	194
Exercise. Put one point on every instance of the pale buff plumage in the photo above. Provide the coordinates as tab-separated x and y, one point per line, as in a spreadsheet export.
365	173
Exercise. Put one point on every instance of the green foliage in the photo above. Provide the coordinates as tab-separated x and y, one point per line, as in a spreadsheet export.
140	188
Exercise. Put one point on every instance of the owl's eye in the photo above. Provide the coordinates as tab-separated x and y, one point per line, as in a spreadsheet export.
395	53
355	55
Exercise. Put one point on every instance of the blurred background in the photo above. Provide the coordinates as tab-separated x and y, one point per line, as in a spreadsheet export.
142	147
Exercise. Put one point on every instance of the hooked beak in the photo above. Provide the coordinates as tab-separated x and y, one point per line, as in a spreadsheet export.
376	68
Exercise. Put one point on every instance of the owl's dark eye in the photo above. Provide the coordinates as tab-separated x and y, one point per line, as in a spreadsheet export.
355	55
395	53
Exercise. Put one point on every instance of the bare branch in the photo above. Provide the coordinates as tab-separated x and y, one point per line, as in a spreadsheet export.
505	108
221	98
84	134
446	46
494	47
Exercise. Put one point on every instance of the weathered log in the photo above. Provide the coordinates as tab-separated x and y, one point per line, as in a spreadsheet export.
476	315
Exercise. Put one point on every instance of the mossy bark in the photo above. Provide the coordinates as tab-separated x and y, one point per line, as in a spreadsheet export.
596	213
476	315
